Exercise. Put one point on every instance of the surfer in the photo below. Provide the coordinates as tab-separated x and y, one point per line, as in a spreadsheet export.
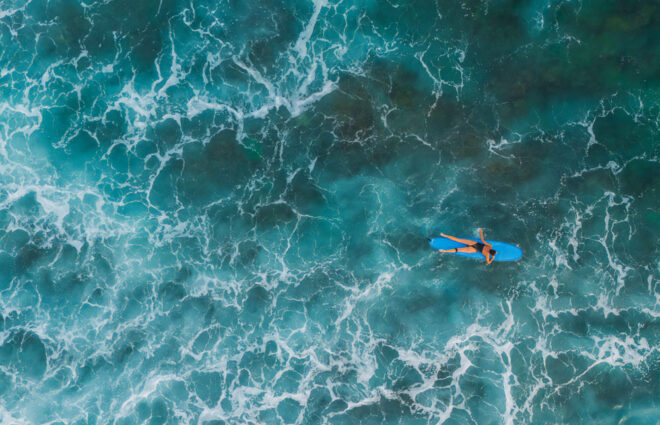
473	246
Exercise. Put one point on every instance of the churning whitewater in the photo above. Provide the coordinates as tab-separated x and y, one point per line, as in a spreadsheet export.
215	212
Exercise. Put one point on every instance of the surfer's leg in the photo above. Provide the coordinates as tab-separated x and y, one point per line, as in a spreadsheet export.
467	249
463	241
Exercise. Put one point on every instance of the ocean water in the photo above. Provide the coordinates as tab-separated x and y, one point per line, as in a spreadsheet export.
215	211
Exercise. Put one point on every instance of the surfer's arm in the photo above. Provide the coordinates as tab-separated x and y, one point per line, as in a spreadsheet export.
489	258
481	232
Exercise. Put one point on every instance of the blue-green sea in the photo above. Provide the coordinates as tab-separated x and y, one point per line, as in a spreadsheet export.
216	211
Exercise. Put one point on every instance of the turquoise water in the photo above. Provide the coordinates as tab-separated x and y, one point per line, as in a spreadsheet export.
215	212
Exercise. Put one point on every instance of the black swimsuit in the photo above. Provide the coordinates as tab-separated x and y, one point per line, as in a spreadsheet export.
478	246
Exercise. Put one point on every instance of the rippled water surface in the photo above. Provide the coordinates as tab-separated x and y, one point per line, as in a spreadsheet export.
215	211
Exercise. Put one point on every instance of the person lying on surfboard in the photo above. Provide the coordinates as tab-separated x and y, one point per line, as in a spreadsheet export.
473	246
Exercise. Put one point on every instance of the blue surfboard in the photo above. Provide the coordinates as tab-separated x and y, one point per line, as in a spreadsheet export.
505	251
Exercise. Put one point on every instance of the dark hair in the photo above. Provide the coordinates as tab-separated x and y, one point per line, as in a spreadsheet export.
493	252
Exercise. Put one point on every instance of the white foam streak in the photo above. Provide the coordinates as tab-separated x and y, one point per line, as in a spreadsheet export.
303	39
